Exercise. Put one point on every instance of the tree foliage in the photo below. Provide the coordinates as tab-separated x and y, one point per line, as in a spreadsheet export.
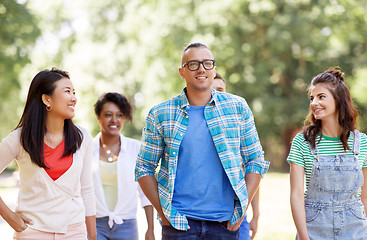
18	31
268	50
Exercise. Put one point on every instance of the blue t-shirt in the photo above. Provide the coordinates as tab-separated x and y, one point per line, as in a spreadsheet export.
202	189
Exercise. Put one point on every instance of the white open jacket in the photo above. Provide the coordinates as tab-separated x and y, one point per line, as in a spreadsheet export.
52	205
127	188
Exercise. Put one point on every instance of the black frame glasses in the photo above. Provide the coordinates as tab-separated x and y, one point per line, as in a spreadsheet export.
190	67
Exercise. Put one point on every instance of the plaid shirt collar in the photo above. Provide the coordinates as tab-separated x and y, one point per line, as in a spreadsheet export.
184	102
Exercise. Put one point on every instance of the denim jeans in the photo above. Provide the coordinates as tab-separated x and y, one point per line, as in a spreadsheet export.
128	230
245	229
200	229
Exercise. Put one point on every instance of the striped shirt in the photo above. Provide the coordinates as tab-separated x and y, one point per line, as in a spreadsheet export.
231	125
300	152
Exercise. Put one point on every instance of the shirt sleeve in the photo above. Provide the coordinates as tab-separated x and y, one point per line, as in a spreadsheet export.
87	190
296	152
363	148
9	149
151	149
251	149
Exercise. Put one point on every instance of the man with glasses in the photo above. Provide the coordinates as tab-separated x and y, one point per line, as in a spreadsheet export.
201	139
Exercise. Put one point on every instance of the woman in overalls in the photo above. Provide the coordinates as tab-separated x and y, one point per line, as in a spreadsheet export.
331	154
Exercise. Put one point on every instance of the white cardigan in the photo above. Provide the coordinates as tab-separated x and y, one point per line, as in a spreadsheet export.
127	188
52	205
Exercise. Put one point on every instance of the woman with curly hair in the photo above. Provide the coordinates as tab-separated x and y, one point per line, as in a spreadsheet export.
114	181
331	156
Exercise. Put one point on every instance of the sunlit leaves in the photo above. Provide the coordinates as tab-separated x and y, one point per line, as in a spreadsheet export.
18	33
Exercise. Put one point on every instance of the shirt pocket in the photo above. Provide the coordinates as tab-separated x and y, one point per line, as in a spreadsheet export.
358	211
311	213
344	178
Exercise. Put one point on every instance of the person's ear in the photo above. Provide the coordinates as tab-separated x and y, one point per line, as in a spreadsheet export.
46	99
180	70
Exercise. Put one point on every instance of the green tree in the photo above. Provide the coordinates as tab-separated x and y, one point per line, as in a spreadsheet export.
18	33
267	50
284	45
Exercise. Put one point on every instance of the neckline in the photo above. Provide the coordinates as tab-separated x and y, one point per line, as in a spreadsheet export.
196	107
107	163
331	138
111	157
58	145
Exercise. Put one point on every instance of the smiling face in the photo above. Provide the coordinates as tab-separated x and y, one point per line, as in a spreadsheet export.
62	100
201	79
322	103
111	119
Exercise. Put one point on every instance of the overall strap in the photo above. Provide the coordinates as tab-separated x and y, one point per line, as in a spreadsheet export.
314	150
356	142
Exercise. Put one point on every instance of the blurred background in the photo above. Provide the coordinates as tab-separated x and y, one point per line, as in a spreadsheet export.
268	51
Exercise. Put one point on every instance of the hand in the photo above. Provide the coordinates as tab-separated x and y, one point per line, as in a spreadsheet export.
149	235
253	227
303	238
18	221
164	220
235	226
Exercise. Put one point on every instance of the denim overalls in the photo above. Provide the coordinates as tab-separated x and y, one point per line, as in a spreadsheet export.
333	208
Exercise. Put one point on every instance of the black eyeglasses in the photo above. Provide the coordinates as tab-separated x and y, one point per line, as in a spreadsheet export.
194	65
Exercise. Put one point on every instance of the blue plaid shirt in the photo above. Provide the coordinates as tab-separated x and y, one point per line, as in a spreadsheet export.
233	130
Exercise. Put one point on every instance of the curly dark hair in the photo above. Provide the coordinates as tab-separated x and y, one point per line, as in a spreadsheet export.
118	99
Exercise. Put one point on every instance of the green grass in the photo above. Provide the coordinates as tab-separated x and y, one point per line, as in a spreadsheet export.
3	191
277	236
275	221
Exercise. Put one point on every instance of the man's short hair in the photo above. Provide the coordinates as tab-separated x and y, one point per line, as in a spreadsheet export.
218	76
195	45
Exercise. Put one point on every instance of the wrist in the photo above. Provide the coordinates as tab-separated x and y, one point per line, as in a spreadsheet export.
7	214
303	236
92	235
164	221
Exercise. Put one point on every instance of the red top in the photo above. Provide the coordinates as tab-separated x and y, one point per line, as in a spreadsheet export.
57	165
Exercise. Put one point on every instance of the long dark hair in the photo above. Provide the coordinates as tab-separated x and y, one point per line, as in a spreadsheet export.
334	81
33	120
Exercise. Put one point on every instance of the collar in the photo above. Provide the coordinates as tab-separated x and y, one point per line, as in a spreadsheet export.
184	102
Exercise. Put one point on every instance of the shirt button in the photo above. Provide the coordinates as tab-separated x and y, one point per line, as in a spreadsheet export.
174	153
